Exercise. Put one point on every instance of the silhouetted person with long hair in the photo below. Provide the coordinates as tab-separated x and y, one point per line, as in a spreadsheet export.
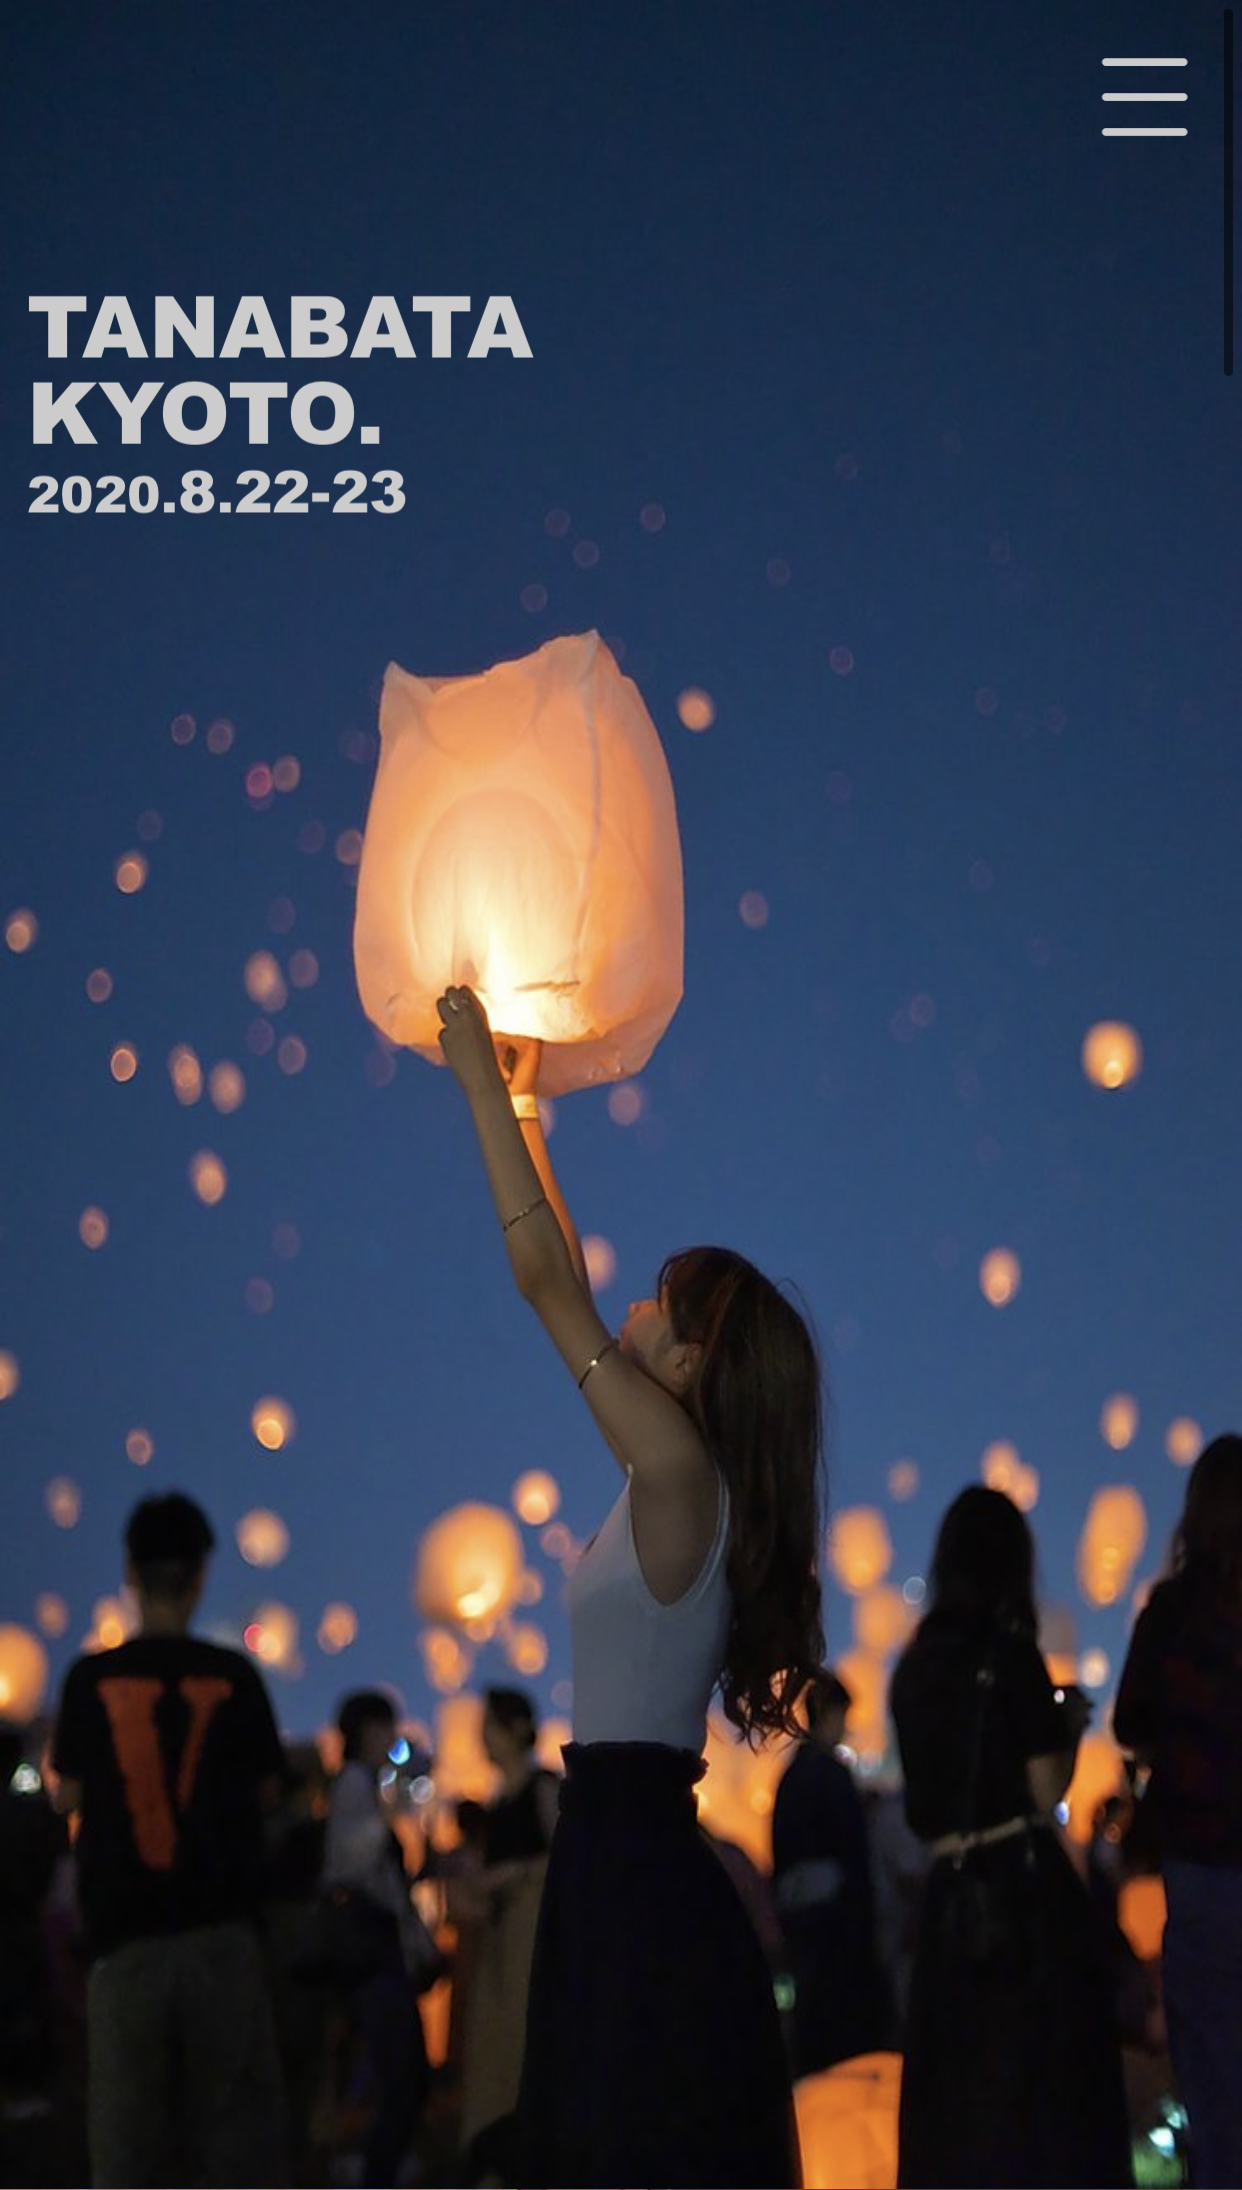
654	2050
1012	2069
1179	1706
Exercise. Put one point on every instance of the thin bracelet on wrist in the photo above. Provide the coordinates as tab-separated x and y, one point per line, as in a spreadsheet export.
525	1106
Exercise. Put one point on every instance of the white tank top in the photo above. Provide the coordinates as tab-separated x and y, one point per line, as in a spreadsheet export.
644	1671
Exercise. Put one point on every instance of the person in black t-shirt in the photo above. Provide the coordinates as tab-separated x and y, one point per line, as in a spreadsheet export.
168	1751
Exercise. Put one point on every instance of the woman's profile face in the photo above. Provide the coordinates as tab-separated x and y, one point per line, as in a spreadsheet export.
648	1339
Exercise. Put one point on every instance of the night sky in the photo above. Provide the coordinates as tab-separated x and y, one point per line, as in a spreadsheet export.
874	393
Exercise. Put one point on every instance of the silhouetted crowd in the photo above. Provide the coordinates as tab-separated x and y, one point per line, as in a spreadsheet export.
242	1968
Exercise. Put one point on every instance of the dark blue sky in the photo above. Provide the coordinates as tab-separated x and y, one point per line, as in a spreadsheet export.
915	364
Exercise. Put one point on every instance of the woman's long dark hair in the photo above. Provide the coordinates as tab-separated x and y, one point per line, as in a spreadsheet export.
983	1566
757	1401
1207	1547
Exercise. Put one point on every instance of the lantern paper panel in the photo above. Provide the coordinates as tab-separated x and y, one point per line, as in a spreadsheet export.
522	840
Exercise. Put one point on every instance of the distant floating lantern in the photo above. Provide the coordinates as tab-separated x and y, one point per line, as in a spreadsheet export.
522	839
847	2123
338	1628
527	1648
883	1620
1000	1465
272	1636
186	1074
208	1177
1113	1535
903	1480
92	1227
10	1375
447	1661
1111	1053
273	1423
866	1722
227	1086
64	1501
1000	1275
600	1257
469	1565
536	1497
52	1614
23	1673
21	929
1119	1420
262	1538
860	1549
1183	1441
130	873
140	1447
696	708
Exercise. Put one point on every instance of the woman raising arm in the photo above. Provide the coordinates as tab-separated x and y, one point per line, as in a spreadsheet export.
653	2046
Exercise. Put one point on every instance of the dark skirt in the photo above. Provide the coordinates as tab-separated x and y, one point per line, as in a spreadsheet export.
653	2047
1012	2073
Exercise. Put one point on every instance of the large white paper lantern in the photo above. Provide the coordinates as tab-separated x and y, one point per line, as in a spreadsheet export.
522	839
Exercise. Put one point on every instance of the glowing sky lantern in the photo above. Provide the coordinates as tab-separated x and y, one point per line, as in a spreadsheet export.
1113	1535
536	1497
860	1549
10	1375
272	1635
262	1538
522	838
1000	1275
338	1627
866	1725
469	1565
735	1798
447	1662
883	1620
52	1614
461	1763
1119	1420
1111	1053
1183	1441
273	1423
526	1647
23	1673
847	2123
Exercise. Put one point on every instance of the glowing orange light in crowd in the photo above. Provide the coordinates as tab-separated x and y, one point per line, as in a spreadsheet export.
1113	1535
522	838
23	1673
860	1549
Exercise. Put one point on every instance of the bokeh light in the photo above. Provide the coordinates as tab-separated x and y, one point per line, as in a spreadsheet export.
264	981
130	873
226	1085
10	1374
860	1549
337	1629
536	1497
601	1261
262	1537
92	1227
1000	1275
696	709
52	1614
1183	1441
903	1480
1119	1420
123	1062
63	1499
21	929
186	1074
1112	1053
208	1176
23	1673
140	1447
99	985
273	1423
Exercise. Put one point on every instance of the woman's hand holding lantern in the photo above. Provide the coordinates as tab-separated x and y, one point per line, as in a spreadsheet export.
466	1039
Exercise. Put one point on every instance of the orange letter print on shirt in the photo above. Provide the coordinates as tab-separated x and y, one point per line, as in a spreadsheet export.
130	1705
